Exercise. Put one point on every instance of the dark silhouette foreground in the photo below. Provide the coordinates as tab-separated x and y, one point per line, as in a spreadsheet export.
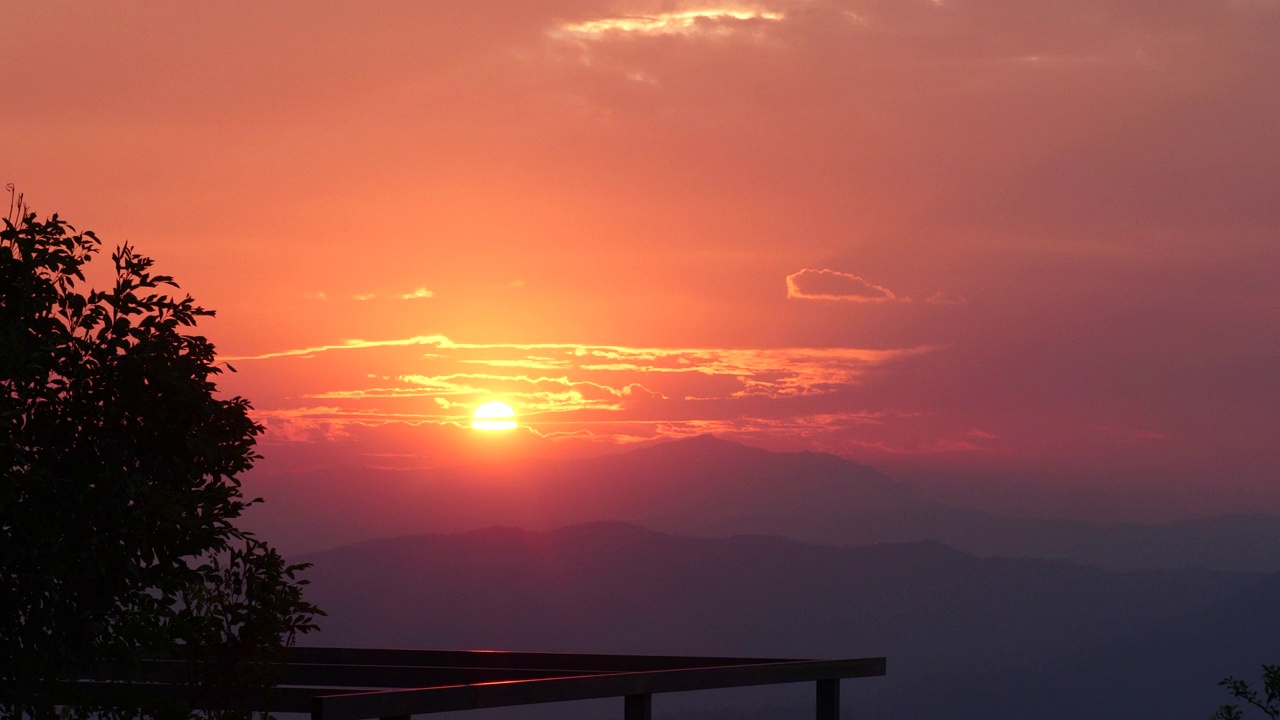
121	491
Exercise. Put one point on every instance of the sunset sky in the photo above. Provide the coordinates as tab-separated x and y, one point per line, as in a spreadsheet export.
991	236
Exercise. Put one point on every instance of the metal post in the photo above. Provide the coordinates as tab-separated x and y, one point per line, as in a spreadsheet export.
639	707
828	699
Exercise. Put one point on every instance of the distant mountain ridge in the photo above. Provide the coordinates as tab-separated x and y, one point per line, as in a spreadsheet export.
710	487
966	637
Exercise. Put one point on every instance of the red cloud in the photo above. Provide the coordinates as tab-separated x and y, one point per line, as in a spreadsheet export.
809	284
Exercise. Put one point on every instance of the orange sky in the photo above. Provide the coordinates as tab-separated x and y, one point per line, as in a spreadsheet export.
995	235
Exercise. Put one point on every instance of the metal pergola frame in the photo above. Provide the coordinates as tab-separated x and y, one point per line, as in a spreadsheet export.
359	684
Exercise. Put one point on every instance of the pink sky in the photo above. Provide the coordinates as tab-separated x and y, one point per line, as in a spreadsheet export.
1006	236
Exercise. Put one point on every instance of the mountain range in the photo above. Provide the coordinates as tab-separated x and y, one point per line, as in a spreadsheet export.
966	637
709	487
703	546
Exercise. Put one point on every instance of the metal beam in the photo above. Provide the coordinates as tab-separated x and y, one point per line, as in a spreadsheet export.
343	683
581	662
828	699
638	707
359	706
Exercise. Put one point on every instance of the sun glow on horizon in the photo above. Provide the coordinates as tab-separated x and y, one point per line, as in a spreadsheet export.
495	415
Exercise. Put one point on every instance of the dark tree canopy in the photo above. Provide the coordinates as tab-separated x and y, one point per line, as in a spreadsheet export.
120	489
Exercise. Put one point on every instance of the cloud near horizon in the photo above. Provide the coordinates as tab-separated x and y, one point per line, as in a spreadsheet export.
611	393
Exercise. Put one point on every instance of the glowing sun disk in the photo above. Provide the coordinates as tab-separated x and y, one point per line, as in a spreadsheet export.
494	415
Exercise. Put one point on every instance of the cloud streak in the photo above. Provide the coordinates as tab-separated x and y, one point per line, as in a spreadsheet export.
419	294
833	285
565	389
824	284
703	21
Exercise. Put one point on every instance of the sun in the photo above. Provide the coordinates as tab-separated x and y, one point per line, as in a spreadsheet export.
494	415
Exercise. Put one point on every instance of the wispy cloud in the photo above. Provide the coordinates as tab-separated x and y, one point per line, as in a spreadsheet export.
708	20
833	285
562	389
526	363
418	294
730	361
824	284
348	345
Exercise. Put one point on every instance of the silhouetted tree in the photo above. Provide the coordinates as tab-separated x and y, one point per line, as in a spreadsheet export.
1267	701
120	486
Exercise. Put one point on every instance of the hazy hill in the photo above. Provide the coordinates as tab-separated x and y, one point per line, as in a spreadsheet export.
966	637
709	487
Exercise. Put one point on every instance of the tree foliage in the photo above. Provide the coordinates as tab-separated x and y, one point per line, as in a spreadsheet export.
120	489
1267	701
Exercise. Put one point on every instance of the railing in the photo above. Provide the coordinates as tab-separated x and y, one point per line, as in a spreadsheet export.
357	684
